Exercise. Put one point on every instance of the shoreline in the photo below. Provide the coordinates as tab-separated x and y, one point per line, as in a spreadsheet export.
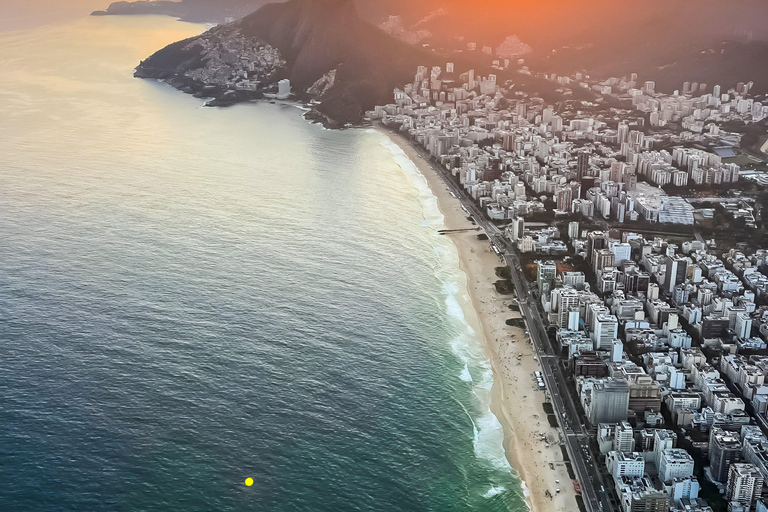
514	387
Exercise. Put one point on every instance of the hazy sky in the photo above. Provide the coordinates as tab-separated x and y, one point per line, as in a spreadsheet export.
531	19
21	14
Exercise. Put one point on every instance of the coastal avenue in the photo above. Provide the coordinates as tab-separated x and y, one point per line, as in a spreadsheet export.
567	412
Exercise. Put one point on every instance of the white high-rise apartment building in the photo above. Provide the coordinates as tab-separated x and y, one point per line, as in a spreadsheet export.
624	438
675	463
606	330
743	326
283	88
745	484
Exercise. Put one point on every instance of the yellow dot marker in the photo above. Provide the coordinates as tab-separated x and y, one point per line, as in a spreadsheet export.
249	481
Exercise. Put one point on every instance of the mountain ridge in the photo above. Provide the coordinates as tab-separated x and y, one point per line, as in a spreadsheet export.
367	63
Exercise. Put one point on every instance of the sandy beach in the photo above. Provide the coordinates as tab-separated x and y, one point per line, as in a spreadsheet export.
531	445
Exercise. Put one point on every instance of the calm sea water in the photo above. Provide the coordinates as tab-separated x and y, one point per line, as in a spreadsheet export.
192	296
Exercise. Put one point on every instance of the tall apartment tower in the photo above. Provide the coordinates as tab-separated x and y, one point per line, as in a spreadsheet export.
623	252
603	258
573	230
518	228
676	272
745	485
582	167
283	89
567	301
724	450
675	464
662	440
564	198
623	134
546	271
743	326
596	240
605	401
606	330
624	438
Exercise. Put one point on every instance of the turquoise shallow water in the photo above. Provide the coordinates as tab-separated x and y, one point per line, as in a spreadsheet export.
192	296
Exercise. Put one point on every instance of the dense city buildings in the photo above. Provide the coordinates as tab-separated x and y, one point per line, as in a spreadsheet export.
663	338
514	153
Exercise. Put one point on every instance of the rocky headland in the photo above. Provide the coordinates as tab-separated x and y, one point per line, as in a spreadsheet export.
328	52
222	64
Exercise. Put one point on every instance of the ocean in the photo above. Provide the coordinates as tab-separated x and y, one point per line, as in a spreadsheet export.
194	296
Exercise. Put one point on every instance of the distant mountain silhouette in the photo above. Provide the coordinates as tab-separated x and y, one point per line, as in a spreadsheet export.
669	41
189	10
543	23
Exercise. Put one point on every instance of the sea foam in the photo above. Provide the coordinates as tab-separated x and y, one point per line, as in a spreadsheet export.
489	441
488	433
465	375
494	491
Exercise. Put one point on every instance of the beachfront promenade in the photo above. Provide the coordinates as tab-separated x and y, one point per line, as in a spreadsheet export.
575	437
